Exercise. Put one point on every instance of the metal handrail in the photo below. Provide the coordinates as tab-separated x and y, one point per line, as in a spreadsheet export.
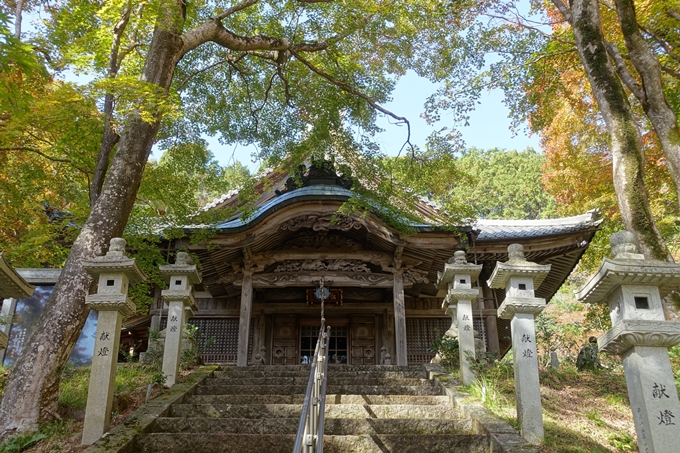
313	407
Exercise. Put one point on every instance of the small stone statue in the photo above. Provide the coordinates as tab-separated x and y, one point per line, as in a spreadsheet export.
516	253
480	346
588	356
117	246
184	258
554	361
259	357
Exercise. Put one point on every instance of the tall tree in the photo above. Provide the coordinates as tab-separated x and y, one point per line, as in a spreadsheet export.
286	72
626	142
577	37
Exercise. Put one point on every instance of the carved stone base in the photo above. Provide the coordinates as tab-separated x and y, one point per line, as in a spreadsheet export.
110	302
180	295
632	332
528	305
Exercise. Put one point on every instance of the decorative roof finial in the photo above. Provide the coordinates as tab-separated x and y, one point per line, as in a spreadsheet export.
459	257
624	246
516	253
117	247
184	258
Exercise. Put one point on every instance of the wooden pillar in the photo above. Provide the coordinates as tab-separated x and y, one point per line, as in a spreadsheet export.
492	334
491	321
400	318
244	318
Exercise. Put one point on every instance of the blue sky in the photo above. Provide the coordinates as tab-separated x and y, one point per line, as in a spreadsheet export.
489	125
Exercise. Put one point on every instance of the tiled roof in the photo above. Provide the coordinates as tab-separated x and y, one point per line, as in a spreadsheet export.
310	192
494	230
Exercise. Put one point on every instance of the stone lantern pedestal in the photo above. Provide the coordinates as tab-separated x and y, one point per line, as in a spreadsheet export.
12	286
458	276
519	277
633	288
181	277
114	272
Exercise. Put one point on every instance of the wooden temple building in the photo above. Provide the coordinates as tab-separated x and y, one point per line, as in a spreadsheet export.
260	274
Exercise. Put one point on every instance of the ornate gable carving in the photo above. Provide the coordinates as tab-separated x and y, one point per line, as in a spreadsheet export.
322	223
312	240
339	265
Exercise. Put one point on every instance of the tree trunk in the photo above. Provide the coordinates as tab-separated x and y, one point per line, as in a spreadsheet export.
110	137
659	112
109	140
626	146
32	388
18	15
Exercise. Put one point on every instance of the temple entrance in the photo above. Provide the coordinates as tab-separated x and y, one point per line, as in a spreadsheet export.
352	340
337	344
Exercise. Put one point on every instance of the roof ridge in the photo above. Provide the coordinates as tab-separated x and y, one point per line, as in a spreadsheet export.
593	216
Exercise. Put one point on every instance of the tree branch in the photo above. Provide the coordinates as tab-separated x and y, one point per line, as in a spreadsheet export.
526	26
36	151
670	72
230	58
213	30
624	74
345	87
564	9
110	138
253	113
234	9
126	51
286	85
663	43
118	30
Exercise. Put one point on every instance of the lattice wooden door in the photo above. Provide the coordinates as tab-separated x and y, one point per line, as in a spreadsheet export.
420	333
218	339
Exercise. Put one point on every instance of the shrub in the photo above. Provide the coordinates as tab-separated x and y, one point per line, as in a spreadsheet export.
447	348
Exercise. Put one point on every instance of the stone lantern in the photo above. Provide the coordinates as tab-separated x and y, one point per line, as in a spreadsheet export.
114	272
633	288
520	277
181	277
12	286
458	276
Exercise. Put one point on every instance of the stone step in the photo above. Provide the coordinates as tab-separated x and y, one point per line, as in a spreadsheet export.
301	389
332	368
278	371
333	426
332	380
263	411
330	399
280	443
258	372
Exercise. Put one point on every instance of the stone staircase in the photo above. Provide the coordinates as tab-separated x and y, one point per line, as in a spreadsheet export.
368	409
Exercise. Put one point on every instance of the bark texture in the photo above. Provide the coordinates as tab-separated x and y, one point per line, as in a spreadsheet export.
32	388
626	146
653	100
18	15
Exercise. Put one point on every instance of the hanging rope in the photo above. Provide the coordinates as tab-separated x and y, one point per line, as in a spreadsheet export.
322	290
